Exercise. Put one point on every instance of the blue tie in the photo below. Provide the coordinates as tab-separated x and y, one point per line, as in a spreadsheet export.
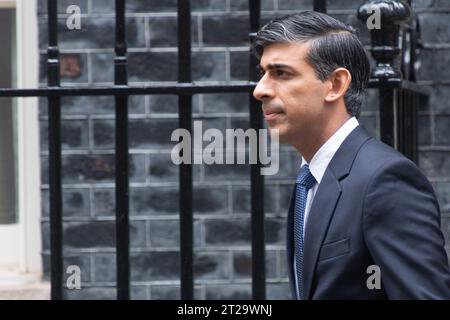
305	181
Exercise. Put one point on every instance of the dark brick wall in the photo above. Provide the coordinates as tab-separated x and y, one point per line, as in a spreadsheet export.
221	192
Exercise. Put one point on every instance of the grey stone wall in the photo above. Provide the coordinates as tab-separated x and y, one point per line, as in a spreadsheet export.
221	192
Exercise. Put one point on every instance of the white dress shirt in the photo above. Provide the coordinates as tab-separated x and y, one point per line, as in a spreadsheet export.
319	164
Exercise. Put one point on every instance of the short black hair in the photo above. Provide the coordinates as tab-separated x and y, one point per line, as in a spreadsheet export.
333	45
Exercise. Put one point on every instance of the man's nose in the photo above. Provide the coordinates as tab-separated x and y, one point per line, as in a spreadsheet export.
263	90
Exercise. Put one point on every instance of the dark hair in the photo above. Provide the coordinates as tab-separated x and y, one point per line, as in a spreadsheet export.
333	45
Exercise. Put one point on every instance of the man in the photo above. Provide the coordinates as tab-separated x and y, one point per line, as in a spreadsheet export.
360	210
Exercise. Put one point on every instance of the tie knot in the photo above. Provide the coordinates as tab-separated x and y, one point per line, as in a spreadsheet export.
305	178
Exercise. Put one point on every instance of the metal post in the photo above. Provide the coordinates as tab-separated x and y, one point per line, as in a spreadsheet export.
257	180
54	118
185	122
122	183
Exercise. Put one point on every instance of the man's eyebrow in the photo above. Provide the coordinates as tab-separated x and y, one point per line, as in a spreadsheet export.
276	66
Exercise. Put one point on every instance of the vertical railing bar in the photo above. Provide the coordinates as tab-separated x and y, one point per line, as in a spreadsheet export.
257	180
320	6
121	157
401	146
409	119
185	172
415	101
386	111
54	118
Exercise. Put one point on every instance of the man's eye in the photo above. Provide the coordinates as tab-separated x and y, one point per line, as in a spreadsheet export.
280	73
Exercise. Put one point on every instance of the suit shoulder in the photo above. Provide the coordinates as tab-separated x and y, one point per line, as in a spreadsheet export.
376	159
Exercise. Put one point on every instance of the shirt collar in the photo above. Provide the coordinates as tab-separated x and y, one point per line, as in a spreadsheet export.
323	156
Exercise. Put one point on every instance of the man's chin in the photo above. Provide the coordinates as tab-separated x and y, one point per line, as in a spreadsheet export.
275	132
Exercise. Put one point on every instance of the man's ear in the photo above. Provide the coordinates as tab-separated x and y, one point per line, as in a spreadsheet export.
339	81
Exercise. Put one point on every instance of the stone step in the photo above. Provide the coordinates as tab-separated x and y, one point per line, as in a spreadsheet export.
23	286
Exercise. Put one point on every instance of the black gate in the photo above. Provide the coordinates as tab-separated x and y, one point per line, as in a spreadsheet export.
399	100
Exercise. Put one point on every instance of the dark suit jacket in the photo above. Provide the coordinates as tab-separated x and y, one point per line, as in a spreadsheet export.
373	207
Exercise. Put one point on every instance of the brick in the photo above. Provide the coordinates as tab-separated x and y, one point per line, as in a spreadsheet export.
226	102
162	169
45	227
289	162
208	66
242	5
228	292
95	33
275	229
164	292
225	172
138	231
439	99
103	133
370	124
442	190
94	168
434	27
154	201
105	267
424	130
170	292
434	163
442	130
278	291
295	5
163	104
136	104
166	233
85	105
228	232
91	293
242	199
164	32
104	202
74	134
286	192
239	65
208	5
283	265
211	266
80	260
91	234
137	6
237	30
242	264
445	226
210	200
75	203
102	69
139	293
152	66
153	266
370	101
430	69
152	133
62	6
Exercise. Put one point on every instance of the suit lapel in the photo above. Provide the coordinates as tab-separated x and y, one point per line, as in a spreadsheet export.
290	244
320	215
325	201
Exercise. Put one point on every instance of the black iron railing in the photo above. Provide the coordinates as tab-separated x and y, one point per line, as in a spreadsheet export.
399	100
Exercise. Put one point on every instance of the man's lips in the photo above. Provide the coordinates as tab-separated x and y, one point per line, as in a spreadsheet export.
272	114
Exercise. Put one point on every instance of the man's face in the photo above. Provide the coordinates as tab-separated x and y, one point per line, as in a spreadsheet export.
292	96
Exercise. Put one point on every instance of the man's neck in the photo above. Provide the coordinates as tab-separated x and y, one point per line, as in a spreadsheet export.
317	140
